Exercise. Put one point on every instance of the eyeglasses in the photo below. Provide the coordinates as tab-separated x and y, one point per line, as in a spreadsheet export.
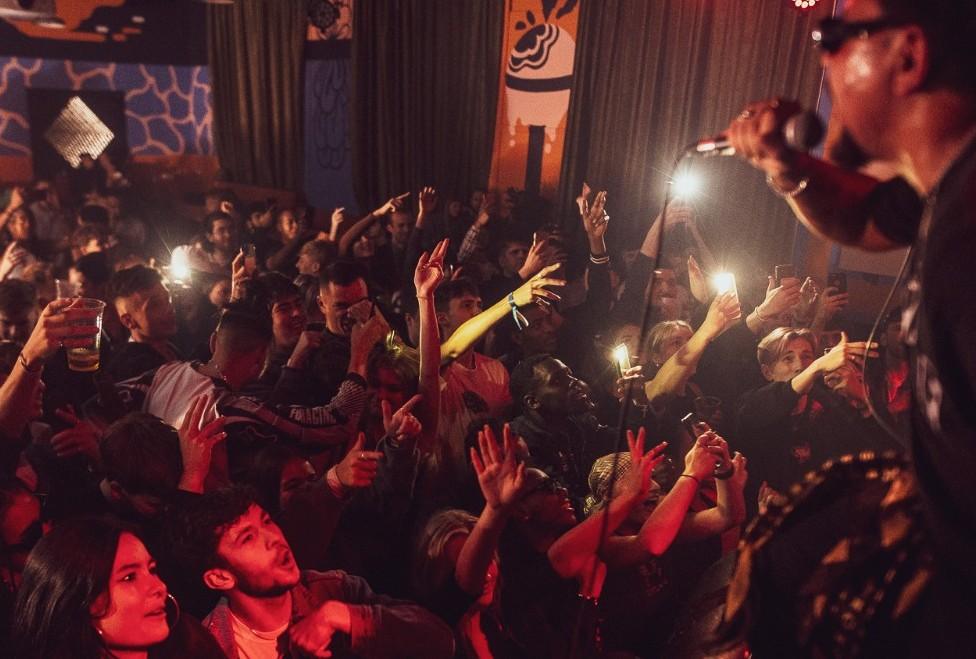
833	33
549	486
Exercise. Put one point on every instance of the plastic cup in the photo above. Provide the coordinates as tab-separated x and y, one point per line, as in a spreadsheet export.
65	288
85	358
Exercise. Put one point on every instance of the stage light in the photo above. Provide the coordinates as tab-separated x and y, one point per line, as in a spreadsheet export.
804	4
686	185
724	282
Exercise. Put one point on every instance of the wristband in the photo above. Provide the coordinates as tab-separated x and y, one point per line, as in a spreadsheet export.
599	260
332	480
694	478
521	322
725	475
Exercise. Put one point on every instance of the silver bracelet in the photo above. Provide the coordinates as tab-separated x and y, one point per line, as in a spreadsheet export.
788	194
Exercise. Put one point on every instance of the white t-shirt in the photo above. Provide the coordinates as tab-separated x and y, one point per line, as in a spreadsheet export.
173	389
252	644
466	394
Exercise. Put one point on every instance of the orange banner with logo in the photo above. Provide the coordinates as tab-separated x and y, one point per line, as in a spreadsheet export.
536	78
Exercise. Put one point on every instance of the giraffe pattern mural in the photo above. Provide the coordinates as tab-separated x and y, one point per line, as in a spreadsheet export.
168	108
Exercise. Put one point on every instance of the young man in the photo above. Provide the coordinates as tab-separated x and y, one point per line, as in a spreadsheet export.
145	309
902	79
240	348
270	605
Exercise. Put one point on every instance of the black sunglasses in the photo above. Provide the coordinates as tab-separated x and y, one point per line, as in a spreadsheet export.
833	33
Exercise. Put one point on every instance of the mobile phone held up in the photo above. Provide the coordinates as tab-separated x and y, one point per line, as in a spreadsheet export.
785	271
837	280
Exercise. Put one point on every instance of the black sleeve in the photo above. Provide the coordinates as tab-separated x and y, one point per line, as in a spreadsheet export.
896	210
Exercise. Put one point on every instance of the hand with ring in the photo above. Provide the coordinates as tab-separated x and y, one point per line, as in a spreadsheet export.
756	134
359	467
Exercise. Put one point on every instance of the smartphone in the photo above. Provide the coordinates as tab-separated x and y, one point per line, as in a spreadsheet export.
784	271
621	358
837	280
361	311
695	424
250	258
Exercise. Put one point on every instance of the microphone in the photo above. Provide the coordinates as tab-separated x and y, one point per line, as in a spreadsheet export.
801	132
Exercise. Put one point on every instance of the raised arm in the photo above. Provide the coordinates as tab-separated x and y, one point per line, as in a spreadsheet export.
577	548
470	331
352	234
674	373
838	356
427	277
834	203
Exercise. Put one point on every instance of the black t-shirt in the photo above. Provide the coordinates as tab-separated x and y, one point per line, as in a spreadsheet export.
939	327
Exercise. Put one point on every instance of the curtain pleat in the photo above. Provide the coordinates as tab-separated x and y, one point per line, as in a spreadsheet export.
651	76
425	88
255	50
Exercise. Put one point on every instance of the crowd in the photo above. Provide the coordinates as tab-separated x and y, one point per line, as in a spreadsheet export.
396	435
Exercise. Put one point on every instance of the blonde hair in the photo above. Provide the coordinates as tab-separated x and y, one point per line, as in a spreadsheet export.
773	346
431	569
662	333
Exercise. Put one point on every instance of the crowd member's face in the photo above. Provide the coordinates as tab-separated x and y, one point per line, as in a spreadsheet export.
400	225
639	514
223	235
672	344
334	301
542	334
150	313
477	198
558	393
453	208
132	614
288	320
257	557
82	284
512	257
20	528
307	263
797	357
861	77
365	245
287	225
219	294
547	504
19	226
17	324
460	310
390	387
296	473
891	339
665	288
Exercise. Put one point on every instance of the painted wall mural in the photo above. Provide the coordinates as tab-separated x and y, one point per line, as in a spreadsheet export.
537	66
168	108
328	167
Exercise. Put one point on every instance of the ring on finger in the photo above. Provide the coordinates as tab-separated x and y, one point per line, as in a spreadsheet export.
746	114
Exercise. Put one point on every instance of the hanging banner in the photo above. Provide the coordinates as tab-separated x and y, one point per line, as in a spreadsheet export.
536	78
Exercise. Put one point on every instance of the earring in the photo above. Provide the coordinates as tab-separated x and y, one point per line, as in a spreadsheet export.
172	610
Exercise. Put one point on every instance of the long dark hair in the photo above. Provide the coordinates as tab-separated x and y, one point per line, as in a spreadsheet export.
68	570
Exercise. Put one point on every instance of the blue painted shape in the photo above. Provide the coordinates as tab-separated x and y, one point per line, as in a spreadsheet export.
328	163
179	109
145	104
164	80
162	132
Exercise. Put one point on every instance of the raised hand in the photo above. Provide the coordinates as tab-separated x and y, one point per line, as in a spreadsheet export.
363	337
697	281
502	481
757	134
429	272
312	636
197	443
636	483
535	259
392	204
828	304
63	323
359	467
13	256
780	299
238	275
534	289
739	474
846	352
700	460
80	439
402	424
723	313
308	342
427	200
595	218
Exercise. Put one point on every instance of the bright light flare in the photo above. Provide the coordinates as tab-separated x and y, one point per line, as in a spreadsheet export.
179	266
621	355
687	185
724	282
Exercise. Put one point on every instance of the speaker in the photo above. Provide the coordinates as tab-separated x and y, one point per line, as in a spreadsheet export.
27	10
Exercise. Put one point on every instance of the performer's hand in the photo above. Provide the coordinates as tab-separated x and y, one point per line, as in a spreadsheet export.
757	135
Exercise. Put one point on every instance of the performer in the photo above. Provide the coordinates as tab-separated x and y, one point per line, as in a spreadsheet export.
902	78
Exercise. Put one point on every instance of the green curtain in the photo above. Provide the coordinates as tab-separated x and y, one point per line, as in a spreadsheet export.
255	50
425	89
651	76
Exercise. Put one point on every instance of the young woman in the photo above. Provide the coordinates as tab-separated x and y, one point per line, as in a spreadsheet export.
90	591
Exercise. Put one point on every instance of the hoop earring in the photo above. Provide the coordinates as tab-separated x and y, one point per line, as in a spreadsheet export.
173	612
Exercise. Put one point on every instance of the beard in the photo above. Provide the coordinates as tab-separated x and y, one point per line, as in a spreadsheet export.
847	153
252	588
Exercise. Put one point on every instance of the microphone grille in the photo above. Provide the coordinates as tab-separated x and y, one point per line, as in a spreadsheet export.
803	131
